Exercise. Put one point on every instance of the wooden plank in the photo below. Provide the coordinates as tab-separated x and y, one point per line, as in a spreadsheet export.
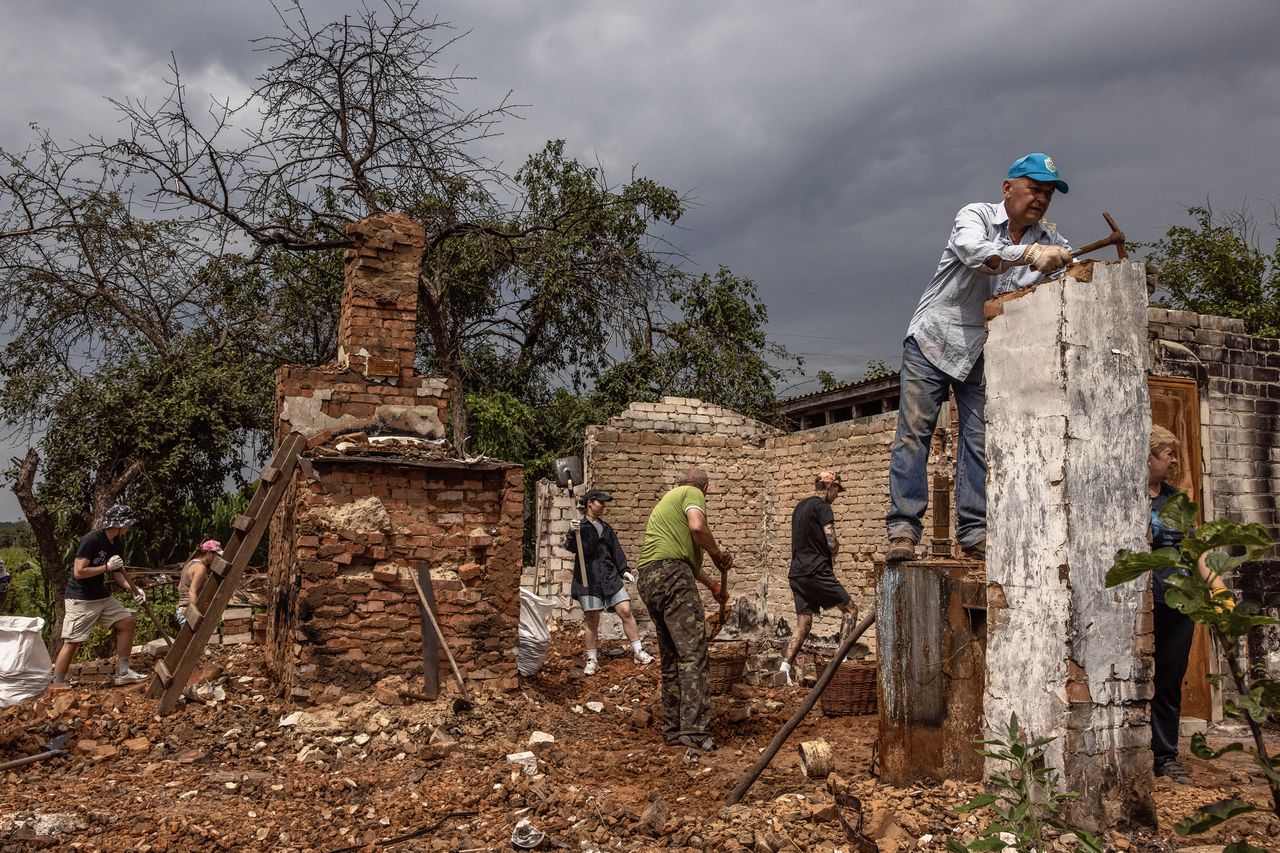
162	673
243	522
219	565
430	642
189	645
269	474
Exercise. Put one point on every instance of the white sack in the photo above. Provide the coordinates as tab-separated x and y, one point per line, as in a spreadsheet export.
534	635
25	668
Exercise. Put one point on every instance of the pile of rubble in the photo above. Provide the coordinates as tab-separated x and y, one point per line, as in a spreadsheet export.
577	759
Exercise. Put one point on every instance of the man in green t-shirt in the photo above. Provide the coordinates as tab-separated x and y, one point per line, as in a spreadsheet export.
675	539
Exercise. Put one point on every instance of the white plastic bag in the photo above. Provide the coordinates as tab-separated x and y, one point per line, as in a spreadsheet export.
534	635
25	668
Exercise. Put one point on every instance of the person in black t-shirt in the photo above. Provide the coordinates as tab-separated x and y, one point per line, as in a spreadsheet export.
812	578
88	602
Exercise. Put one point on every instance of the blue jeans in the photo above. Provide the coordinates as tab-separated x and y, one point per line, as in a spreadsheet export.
924	392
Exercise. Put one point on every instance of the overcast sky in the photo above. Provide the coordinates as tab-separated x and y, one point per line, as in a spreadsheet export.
826	145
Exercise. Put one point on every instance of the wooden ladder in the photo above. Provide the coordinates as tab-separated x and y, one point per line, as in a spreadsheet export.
169	677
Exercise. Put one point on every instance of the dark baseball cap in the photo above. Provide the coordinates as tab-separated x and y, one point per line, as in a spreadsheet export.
596	495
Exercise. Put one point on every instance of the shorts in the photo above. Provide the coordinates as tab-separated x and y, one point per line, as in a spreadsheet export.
817	592
589	603
82	614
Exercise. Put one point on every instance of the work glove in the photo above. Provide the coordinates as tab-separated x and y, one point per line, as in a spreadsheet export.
627	577
1048	259
1224	601
575	524
139	596
115	564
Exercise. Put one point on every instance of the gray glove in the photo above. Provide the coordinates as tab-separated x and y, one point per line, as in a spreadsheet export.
575	524
115	564
627	577
139	596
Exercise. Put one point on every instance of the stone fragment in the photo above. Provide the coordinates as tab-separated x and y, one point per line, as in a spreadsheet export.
527	761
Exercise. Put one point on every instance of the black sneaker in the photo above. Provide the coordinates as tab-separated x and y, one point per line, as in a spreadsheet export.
1174	772
977	551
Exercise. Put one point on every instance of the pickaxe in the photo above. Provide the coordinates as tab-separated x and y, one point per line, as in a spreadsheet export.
1115	238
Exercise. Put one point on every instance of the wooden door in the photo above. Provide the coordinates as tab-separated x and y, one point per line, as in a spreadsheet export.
1175	405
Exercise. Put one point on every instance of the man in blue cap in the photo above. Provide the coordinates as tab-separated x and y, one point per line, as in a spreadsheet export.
994	248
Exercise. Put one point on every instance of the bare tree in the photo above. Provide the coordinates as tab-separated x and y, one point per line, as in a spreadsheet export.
359	116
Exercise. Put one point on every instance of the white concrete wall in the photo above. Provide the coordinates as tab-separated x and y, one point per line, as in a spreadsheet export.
1068	417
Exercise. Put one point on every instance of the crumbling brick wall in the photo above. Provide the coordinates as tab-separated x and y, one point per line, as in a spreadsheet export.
359	519
1239	380
758	474
346	611
1238	377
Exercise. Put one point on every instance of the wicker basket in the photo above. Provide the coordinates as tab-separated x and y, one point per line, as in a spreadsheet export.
852	690
728	663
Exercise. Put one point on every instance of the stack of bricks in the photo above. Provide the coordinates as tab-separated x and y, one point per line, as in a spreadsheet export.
353	528
757	476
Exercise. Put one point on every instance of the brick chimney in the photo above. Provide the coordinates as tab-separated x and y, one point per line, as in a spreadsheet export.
380	301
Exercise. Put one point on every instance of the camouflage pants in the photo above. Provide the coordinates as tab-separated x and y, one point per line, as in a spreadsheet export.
671	596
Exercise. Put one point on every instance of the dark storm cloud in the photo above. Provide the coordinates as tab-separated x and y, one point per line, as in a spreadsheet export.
826	145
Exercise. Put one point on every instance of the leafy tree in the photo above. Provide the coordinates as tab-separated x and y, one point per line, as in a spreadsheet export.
1218	267
876	369
1257	694
169	271
131	349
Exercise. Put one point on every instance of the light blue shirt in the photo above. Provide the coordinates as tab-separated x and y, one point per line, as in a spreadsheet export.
948	324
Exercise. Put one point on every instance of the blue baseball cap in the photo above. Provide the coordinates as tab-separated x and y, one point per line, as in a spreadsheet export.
1037	167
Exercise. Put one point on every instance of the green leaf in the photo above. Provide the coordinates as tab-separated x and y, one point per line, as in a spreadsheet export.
987	844
1131	565
1088	842
978	802
1211	815
1201	749
1180	512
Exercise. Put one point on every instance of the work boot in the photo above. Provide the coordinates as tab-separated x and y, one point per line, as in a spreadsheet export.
591	668
129	677
900	548
643	658
977	551
700	744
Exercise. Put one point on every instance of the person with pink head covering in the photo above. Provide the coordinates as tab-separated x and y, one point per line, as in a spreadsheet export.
193	575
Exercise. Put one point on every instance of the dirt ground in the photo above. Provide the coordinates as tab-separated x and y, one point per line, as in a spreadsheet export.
243	770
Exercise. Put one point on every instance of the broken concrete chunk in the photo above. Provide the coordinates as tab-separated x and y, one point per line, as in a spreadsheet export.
595	706
291	719
541	737
527	761
422	421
